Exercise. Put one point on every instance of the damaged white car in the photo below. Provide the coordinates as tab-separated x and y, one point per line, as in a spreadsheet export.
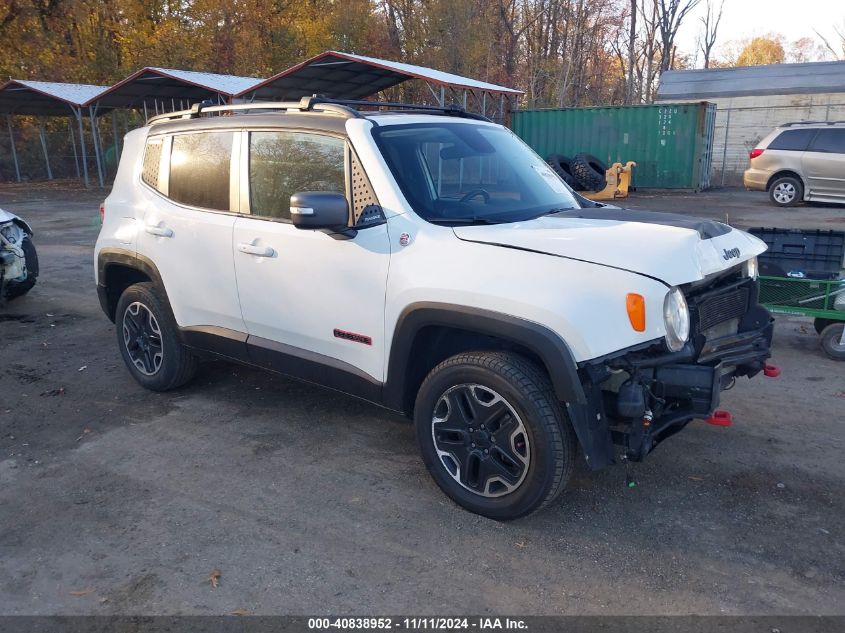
18	259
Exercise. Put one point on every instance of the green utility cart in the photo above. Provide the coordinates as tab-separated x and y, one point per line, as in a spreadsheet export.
801	276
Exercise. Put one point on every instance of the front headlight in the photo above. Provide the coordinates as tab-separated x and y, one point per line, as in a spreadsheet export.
751	268
676	319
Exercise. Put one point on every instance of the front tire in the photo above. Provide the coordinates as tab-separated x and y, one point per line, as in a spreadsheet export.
493	435
786	191
148	338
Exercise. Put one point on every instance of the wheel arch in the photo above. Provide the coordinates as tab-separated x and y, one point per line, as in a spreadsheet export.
117	269
428	333
23	224
782	173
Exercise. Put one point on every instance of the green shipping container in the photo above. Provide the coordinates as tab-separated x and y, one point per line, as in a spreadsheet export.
672	143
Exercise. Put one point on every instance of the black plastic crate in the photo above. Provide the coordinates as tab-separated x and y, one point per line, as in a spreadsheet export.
808	253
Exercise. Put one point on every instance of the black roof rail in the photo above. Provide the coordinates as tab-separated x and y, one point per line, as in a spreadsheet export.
790	124
306	104
414	108
316	103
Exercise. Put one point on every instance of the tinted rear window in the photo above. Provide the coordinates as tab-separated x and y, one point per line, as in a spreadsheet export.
199	169
831	141
796	140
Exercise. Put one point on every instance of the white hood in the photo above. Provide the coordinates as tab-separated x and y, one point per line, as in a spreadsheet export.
673	254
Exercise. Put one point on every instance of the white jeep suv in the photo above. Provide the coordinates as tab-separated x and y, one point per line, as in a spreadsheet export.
428	261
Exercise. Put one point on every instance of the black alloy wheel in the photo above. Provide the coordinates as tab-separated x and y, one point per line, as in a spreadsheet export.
493	434
142	338
480	440
149	339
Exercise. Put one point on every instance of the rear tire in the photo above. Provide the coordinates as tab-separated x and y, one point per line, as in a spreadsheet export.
786	191
832	342
590	172
15	289
149	342
493	435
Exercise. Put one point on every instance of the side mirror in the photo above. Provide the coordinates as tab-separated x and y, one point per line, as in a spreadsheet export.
319	210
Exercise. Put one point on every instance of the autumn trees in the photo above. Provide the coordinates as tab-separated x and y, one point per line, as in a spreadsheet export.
561	52
760	51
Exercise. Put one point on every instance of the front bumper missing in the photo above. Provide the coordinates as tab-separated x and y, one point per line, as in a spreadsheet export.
639	397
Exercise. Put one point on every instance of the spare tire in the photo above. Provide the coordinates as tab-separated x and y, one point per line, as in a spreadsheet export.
562	166
589	171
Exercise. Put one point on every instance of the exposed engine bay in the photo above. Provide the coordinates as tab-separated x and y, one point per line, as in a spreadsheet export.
18	260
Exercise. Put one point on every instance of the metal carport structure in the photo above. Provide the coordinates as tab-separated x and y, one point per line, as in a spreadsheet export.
347	76
149	89
154	90
42	99
166	89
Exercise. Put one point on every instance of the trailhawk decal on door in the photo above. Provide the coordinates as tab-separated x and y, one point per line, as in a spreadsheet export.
352	336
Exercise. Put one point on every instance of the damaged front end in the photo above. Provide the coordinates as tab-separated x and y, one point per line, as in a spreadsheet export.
638	397
18	262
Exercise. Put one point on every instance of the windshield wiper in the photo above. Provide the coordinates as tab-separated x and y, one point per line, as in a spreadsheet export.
501	218
552	212
558	210
465	220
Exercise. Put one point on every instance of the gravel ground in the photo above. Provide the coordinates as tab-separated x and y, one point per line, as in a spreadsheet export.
114	500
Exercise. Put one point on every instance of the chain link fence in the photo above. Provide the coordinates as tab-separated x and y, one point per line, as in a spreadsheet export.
740	128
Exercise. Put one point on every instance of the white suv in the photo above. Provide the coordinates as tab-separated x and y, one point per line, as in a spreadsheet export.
428	261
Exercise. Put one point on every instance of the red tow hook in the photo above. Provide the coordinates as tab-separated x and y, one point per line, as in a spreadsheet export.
720	418
772	371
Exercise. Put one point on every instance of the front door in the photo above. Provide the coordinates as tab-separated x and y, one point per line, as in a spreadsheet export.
313	304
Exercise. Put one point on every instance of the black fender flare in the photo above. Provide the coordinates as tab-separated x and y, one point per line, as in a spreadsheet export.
111	256
550	348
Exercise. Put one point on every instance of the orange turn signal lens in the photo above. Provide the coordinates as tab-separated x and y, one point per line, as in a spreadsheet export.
636	311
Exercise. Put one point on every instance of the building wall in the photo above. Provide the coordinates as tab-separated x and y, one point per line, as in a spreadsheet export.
741	122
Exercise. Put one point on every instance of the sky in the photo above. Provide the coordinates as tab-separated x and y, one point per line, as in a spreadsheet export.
747	18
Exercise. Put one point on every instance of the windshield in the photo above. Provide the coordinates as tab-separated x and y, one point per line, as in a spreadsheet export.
456	173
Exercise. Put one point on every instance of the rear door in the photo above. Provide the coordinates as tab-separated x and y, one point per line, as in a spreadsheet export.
824	163
187	228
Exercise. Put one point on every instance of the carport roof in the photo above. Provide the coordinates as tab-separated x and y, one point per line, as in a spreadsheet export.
162	84
45	98
347	76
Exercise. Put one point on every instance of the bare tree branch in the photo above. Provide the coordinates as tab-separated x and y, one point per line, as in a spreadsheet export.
710	21
670	16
